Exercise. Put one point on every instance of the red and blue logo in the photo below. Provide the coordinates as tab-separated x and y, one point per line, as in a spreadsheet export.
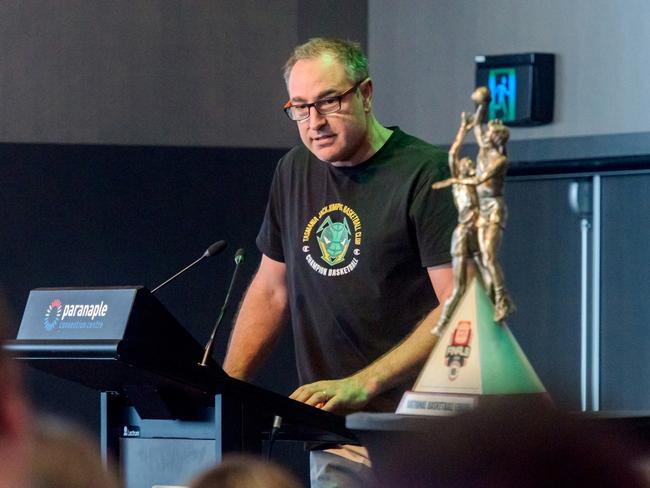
53	314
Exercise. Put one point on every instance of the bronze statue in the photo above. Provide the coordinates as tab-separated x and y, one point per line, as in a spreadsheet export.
464	243
488	225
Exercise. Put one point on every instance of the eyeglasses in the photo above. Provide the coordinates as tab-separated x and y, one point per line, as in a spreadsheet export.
324	106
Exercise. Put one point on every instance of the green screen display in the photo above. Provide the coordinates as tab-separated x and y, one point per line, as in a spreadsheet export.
502	83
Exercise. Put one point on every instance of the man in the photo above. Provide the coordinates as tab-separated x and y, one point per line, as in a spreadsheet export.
353	241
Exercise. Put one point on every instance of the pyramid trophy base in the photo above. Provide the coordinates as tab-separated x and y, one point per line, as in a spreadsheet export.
476	361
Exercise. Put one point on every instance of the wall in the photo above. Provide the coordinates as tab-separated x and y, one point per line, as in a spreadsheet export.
156	72
423	64
105	215
423	68
123	92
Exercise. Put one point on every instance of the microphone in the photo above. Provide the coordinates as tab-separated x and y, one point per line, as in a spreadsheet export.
214	249
239	258
275	428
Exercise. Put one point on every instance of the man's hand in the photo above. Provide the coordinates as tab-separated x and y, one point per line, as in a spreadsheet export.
339	396
395	366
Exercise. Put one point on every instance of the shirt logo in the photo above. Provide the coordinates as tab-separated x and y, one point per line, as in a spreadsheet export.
333	240
336	232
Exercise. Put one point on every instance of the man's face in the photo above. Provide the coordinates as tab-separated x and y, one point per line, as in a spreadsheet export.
340	138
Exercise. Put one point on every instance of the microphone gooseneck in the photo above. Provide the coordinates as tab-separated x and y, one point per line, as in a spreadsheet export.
239	258
212	250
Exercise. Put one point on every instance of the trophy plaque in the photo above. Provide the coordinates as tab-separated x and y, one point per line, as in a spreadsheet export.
475	359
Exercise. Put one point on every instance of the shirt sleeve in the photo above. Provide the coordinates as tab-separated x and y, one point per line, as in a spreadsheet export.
269	238
434	216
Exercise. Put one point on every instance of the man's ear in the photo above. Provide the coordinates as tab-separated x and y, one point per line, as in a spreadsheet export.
366	93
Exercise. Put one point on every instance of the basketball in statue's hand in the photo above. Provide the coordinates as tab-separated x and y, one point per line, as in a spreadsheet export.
481	95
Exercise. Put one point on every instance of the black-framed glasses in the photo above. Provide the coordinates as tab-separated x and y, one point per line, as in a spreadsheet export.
324	106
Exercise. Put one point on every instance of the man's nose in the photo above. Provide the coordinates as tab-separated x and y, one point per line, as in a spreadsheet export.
316	120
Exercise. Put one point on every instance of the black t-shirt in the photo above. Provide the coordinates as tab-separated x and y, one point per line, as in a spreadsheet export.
356	242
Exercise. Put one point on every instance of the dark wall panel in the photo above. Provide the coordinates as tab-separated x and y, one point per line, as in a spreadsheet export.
109	215
541	260
625	308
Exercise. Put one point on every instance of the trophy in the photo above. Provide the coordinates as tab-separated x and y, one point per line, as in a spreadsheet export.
476	358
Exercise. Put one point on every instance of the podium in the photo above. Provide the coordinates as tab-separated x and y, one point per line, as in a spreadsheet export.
163	417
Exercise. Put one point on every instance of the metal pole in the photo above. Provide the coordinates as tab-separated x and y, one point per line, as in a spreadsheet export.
595	293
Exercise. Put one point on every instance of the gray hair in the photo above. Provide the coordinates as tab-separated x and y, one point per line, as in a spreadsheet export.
348	53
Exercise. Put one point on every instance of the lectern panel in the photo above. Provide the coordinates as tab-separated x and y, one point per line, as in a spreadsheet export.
83	314
167	462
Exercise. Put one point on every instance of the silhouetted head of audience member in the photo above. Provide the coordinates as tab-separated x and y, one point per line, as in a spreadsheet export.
50	454
15	418
243	471
510	445
65	456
